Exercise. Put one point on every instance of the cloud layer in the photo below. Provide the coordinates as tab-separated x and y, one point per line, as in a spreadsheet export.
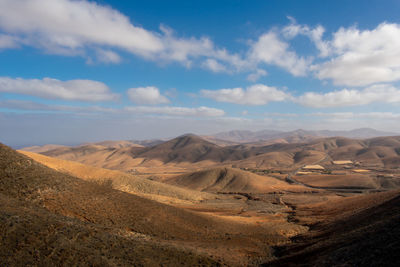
149	95
345	97
363	57
80	90
257	94
177	111
349	57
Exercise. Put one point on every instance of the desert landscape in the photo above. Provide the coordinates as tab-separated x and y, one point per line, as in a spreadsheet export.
199	133
188	201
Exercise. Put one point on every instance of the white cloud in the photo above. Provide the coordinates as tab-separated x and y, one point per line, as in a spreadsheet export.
149	95
81	90
270	49
35	106
177	111
364	115
363	57
377	93
257	94
315	35
214	65
107	56
253	77
72	28
71	25
7	41
185	50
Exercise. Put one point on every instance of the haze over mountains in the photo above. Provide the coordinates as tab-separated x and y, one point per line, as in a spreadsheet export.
241	137
208	217
179	195
176	197
297	135
190	151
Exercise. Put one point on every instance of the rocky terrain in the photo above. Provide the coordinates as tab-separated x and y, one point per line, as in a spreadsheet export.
188	201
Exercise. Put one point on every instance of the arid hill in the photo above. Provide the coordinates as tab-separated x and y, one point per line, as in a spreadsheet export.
380	151
120	180
296	136
59	218
48	218
232	180
117	144
191	151
41	149
361	231
186	148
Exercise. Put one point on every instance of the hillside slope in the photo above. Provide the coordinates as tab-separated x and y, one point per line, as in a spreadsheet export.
120	180
46	207
51	218
232	180
363	231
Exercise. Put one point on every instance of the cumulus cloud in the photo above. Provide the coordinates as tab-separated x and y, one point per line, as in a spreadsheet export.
258	94
70	27
214	65
363	57
257	74
81	90
351	97
185	50
270	49
177	111
149	95
351	57
314	34
7	41
107	56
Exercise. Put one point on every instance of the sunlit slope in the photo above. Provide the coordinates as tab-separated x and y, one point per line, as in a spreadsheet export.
232	180
41	202
120	180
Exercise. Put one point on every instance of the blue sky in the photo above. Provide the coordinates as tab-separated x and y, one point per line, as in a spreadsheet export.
78	71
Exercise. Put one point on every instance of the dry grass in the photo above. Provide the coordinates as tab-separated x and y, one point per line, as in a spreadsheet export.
186	237
232	180
120	180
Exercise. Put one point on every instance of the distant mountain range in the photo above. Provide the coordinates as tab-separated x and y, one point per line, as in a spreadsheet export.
296	136
191	151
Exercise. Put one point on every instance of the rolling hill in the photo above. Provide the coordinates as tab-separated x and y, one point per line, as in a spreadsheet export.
120	180
296	136
232	180
51	218
59	218
189	151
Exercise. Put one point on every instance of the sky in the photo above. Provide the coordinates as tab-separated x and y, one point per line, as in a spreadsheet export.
74	71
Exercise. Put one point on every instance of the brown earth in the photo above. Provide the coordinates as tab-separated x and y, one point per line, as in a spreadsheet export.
189	151
361	231
120	180
66	214
232	180
247	213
